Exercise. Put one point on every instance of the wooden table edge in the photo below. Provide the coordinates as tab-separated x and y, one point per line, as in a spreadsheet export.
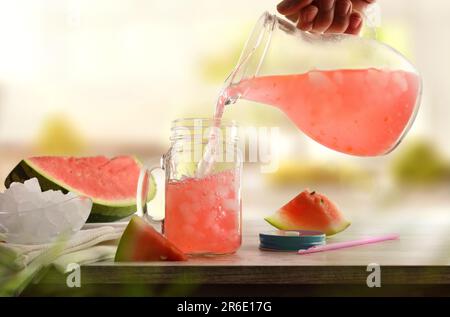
255	274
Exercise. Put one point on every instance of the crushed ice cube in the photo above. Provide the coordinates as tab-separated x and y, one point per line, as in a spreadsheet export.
33	185
48	196
17	191
223	190
319	80
231	205
57	196
338	78
401	84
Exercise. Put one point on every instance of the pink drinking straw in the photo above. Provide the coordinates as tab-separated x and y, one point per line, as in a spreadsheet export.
348	244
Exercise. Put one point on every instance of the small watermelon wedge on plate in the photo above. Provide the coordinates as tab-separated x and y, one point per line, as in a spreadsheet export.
140	242
309	211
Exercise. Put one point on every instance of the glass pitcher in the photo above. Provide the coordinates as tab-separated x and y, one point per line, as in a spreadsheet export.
202	214
352	94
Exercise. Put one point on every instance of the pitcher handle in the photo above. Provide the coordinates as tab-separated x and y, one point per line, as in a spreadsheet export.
142	190
372	19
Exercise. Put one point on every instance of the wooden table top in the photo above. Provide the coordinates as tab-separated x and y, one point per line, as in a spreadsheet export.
416	258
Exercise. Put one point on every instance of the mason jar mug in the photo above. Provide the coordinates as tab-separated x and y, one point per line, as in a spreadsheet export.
202	212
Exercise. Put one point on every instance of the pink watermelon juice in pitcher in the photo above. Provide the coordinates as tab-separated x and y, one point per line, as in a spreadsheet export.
360	112
351	94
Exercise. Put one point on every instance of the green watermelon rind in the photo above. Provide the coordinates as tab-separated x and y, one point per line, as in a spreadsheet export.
283	224
128	239
102	210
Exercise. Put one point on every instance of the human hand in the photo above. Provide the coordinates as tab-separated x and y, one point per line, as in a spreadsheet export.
325	16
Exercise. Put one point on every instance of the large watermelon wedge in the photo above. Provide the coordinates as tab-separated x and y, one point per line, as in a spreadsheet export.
110	183
309	211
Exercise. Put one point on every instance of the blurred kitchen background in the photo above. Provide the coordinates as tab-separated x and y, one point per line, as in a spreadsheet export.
107	77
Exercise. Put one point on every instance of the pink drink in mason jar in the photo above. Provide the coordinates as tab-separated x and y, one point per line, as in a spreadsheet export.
202	210
203	214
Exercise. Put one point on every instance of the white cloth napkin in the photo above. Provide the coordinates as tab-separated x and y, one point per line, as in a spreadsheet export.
87	256
91	244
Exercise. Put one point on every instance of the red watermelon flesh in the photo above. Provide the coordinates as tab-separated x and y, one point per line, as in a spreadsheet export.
141	243
99	177
309	211
110	183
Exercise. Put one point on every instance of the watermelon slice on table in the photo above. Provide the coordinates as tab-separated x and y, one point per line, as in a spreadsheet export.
110	183
140	242
309	211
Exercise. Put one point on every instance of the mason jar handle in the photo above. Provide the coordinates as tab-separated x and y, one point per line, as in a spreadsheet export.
142	190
